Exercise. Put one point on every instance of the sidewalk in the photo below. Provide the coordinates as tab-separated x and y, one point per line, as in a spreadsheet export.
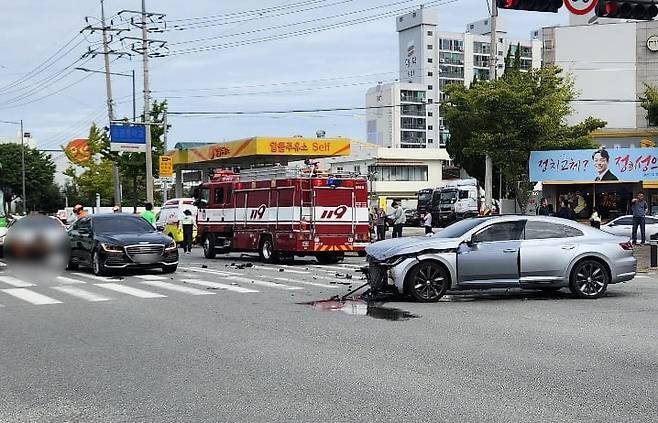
641	253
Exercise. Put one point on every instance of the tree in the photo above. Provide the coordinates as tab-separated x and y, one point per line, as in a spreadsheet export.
132	165
39	174
510	117
650	103
97	174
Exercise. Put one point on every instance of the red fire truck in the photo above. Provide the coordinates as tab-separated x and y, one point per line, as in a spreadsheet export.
282	212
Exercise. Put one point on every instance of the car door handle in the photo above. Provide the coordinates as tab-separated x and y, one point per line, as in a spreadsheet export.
568	247
510	250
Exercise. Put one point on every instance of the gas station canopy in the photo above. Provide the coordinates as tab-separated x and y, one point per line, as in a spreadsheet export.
260	151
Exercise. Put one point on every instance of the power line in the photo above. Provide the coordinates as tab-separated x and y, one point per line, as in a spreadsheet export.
251	12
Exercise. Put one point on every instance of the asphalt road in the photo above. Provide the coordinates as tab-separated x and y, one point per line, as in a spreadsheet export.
232	343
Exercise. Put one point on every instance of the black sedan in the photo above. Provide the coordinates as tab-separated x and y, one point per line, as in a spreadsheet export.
118	241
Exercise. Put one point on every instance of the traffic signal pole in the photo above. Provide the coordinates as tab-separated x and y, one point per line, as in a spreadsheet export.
493	54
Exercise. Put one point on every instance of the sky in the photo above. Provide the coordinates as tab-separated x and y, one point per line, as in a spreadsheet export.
240	67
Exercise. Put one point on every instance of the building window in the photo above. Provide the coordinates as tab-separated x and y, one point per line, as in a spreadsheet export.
472	26
399	173
430	46
430	33
430	114
430	141
339	169
430	73
430	127
430	101
430	60
357	168
429	87
401	18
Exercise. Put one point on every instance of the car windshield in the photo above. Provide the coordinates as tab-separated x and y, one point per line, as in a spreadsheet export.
458	229
448	197
424	198
122	224
37	223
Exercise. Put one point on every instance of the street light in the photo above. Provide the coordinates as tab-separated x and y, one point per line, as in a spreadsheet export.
22	157
129	75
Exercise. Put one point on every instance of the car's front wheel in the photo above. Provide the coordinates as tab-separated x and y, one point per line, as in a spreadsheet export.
589	279
169	269
97	265
209	246
427	282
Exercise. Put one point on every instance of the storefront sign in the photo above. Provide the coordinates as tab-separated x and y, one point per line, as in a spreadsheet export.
619	164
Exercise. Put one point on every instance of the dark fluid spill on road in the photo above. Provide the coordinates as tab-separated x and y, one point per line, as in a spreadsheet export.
358	307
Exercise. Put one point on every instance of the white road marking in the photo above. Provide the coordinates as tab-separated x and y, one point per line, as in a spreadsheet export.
324	267
217	285
212	272
3	264
81	293
151	277
177	288
64	279
135	292
353	266
285	268
15	282
263	283
94	277
30	296
643	276
322	285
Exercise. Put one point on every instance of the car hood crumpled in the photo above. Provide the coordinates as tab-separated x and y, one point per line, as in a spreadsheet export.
383	250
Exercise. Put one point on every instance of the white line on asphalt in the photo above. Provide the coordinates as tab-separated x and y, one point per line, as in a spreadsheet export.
217	285
81	293
30	296
151	277
353	266
263	283
321	267
94	277
289	269
2	264
643	276
64	279
135	292
15	282
212	272
322	285
177	288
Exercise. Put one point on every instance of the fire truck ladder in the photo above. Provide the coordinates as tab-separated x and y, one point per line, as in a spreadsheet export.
307	208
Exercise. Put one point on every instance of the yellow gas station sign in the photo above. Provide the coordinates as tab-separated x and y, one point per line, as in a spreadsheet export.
166	167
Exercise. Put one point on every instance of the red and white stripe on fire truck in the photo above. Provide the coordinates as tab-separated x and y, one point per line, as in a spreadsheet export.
262	214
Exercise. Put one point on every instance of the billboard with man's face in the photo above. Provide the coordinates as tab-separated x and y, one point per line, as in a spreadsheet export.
619	164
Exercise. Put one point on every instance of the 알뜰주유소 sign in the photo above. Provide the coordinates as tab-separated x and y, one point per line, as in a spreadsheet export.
128	137
166	169
619	164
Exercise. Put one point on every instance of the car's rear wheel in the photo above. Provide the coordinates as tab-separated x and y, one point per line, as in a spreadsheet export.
266	251
97	265
427	282
209	246
589	279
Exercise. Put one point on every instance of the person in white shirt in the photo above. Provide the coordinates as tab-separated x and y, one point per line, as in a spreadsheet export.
427	223
399	220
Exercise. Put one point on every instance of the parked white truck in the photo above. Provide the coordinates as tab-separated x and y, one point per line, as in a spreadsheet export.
459	199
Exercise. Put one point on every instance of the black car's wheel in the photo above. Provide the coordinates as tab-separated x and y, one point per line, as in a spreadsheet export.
589	279
71	265
427	282
329	258
266	251
97	265
169	269
209	246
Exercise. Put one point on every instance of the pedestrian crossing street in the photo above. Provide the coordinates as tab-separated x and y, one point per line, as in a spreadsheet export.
191	279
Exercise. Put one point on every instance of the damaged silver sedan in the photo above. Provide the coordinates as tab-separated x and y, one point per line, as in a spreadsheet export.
527	252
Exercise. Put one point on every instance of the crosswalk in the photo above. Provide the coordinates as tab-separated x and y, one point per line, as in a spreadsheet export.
193	280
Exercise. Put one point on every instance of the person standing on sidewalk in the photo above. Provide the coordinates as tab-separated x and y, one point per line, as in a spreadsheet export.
188	230
639	208
427	223
380	223
398	220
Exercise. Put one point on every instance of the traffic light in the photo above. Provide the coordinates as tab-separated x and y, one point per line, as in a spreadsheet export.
532	5
633	9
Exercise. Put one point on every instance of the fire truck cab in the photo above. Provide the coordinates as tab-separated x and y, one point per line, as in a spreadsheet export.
282	212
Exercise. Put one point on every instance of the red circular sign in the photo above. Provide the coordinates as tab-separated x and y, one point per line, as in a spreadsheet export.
580	7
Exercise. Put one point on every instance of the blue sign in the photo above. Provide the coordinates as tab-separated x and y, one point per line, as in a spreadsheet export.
128	137
619	164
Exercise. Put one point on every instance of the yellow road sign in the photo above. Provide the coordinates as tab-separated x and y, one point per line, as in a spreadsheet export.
166	167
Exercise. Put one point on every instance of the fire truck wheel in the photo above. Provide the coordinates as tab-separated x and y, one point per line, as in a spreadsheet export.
209	246
266	251
329	258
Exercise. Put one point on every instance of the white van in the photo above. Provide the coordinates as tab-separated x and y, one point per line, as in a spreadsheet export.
168	219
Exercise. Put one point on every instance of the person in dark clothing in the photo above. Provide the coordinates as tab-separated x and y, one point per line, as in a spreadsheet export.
565	212
380	222
639	208
188	230
543	209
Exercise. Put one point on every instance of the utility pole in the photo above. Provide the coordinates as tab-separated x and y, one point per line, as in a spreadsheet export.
147	108
23	166
164	119
110	108
493	54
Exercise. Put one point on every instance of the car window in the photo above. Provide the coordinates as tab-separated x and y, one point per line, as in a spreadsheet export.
649	220
219	195
463	195
503	231
122	224
623	221
546	230
459	228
